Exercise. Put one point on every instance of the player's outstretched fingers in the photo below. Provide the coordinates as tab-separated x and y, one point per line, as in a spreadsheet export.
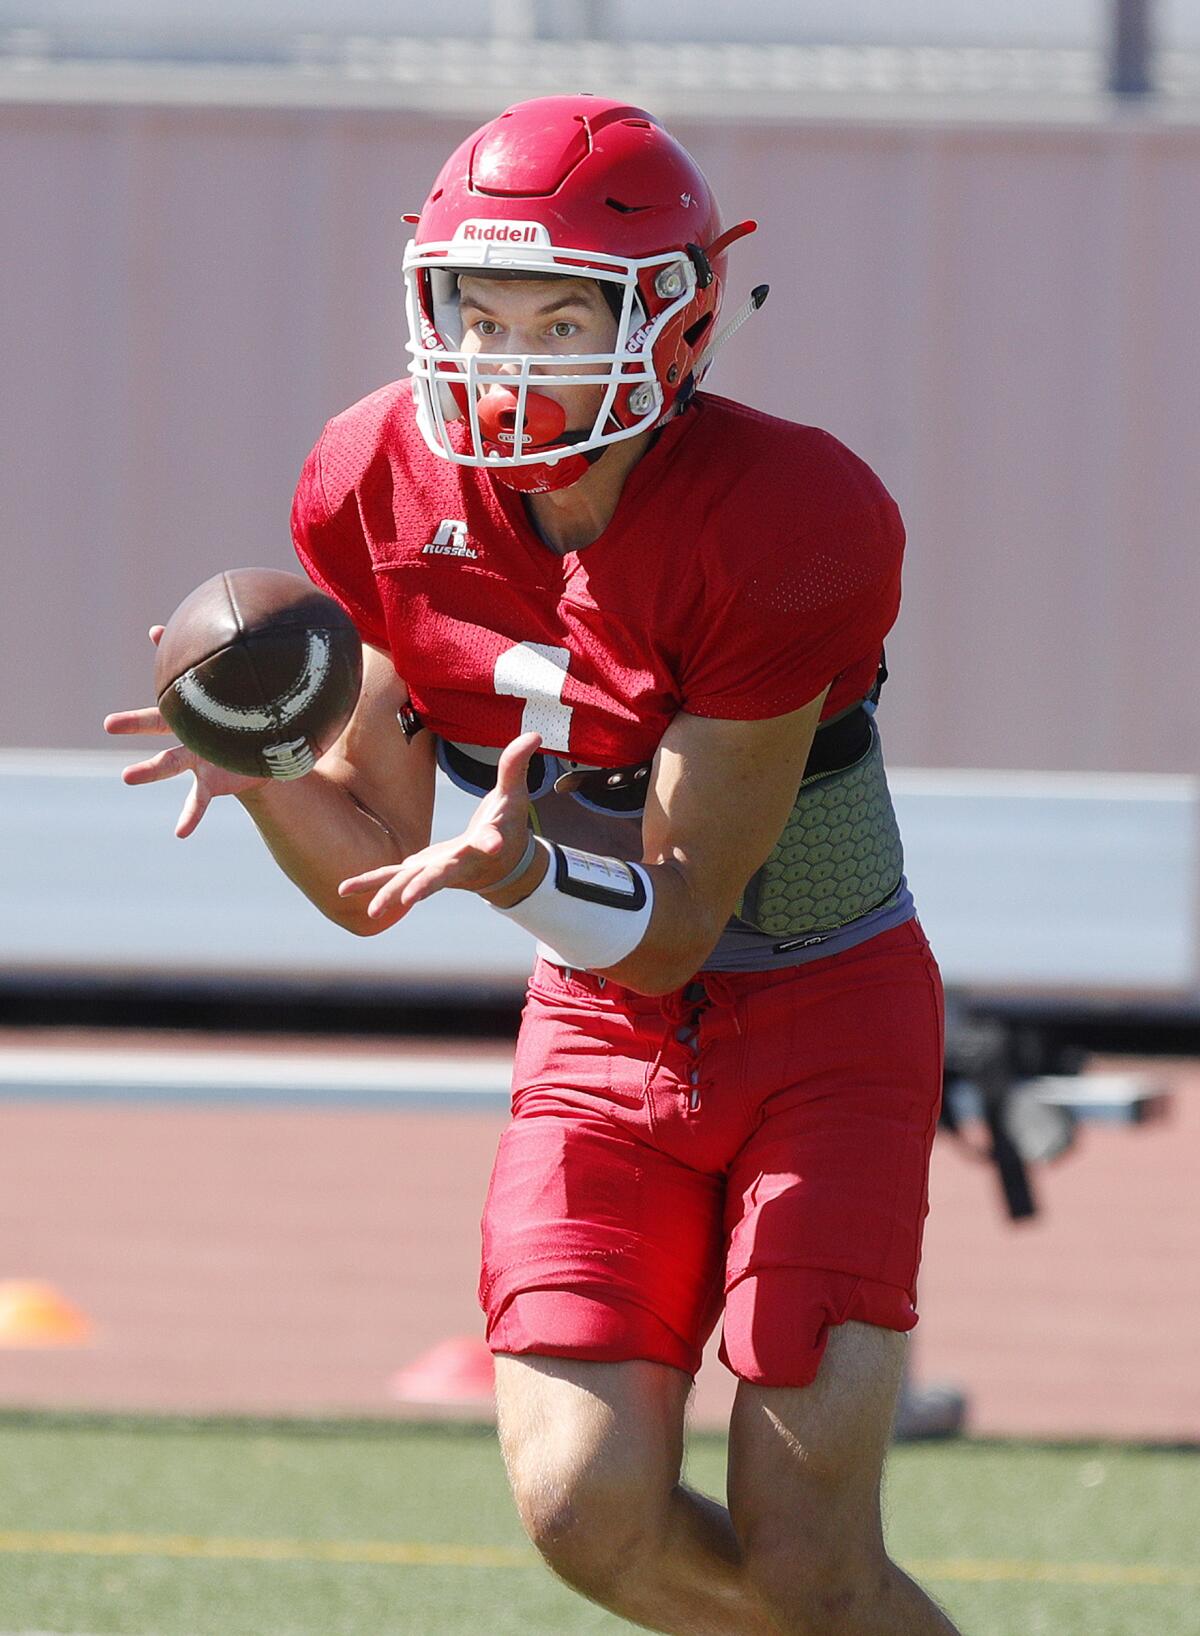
392	901
449	864
396	887
193	809
386	887
167	763
355	885
148	720
396	896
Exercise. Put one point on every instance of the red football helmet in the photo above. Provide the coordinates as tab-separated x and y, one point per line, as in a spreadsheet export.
569	187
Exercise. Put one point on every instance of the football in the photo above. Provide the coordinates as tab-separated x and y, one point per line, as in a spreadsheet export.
258	672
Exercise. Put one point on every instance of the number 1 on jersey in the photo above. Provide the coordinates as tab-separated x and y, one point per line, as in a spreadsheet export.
536	672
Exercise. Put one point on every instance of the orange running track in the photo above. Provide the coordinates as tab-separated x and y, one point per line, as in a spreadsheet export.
282	1259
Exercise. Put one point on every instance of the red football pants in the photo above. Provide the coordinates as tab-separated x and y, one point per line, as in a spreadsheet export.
758	1142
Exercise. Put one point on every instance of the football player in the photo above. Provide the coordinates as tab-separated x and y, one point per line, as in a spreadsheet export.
644	625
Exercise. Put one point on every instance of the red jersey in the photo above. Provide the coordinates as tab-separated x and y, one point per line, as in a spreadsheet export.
750	563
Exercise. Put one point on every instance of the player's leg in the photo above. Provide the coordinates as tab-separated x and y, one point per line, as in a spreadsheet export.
804	1475
825	1207
593	1452
602	1257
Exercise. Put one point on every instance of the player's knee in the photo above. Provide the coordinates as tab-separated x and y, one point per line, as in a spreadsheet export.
819	1586
593	1527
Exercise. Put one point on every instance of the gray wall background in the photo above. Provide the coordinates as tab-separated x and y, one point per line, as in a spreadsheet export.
999	315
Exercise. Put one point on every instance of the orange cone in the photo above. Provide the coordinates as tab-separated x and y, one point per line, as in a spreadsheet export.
458	1370
33	1314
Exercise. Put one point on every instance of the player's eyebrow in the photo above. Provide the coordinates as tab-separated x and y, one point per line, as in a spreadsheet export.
557	304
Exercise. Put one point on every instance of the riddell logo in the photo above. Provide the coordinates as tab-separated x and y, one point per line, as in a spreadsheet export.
484	232
637	340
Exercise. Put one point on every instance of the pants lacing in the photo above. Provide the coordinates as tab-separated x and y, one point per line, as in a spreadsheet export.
682	1012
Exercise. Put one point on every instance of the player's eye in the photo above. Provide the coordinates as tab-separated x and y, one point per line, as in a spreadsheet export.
562	331
486	326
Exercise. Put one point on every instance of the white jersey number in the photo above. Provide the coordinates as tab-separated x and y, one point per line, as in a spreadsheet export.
536	672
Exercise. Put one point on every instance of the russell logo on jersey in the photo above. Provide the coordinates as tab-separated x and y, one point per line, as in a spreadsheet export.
450	541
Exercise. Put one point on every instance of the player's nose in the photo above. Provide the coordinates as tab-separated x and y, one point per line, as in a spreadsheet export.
499	365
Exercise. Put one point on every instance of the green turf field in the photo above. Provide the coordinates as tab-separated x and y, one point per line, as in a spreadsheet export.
157	1528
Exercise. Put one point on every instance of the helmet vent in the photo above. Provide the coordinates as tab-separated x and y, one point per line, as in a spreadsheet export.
625	209
694	331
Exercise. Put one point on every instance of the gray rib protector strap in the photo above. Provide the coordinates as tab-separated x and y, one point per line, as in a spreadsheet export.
839	856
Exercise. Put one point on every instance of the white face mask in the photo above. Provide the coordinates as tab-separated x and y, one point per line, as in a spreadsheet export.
517	432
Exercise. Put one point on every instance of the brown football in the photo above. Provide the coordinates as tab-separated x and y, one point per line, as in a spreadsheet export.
258	672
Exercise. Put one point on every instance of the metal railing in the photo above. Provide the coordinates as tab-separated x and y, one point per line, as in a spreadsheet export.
403	68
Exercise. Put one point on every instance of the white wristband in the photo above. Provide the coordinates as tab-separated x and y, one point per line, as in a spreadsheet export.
591	911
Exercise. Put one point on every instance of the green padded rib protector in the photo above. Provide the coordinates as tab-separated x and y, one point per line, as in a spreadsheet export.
839	855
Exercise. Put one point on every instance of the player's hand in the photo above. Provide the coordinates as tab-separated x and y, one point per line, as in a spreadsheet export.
208	781
489	847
